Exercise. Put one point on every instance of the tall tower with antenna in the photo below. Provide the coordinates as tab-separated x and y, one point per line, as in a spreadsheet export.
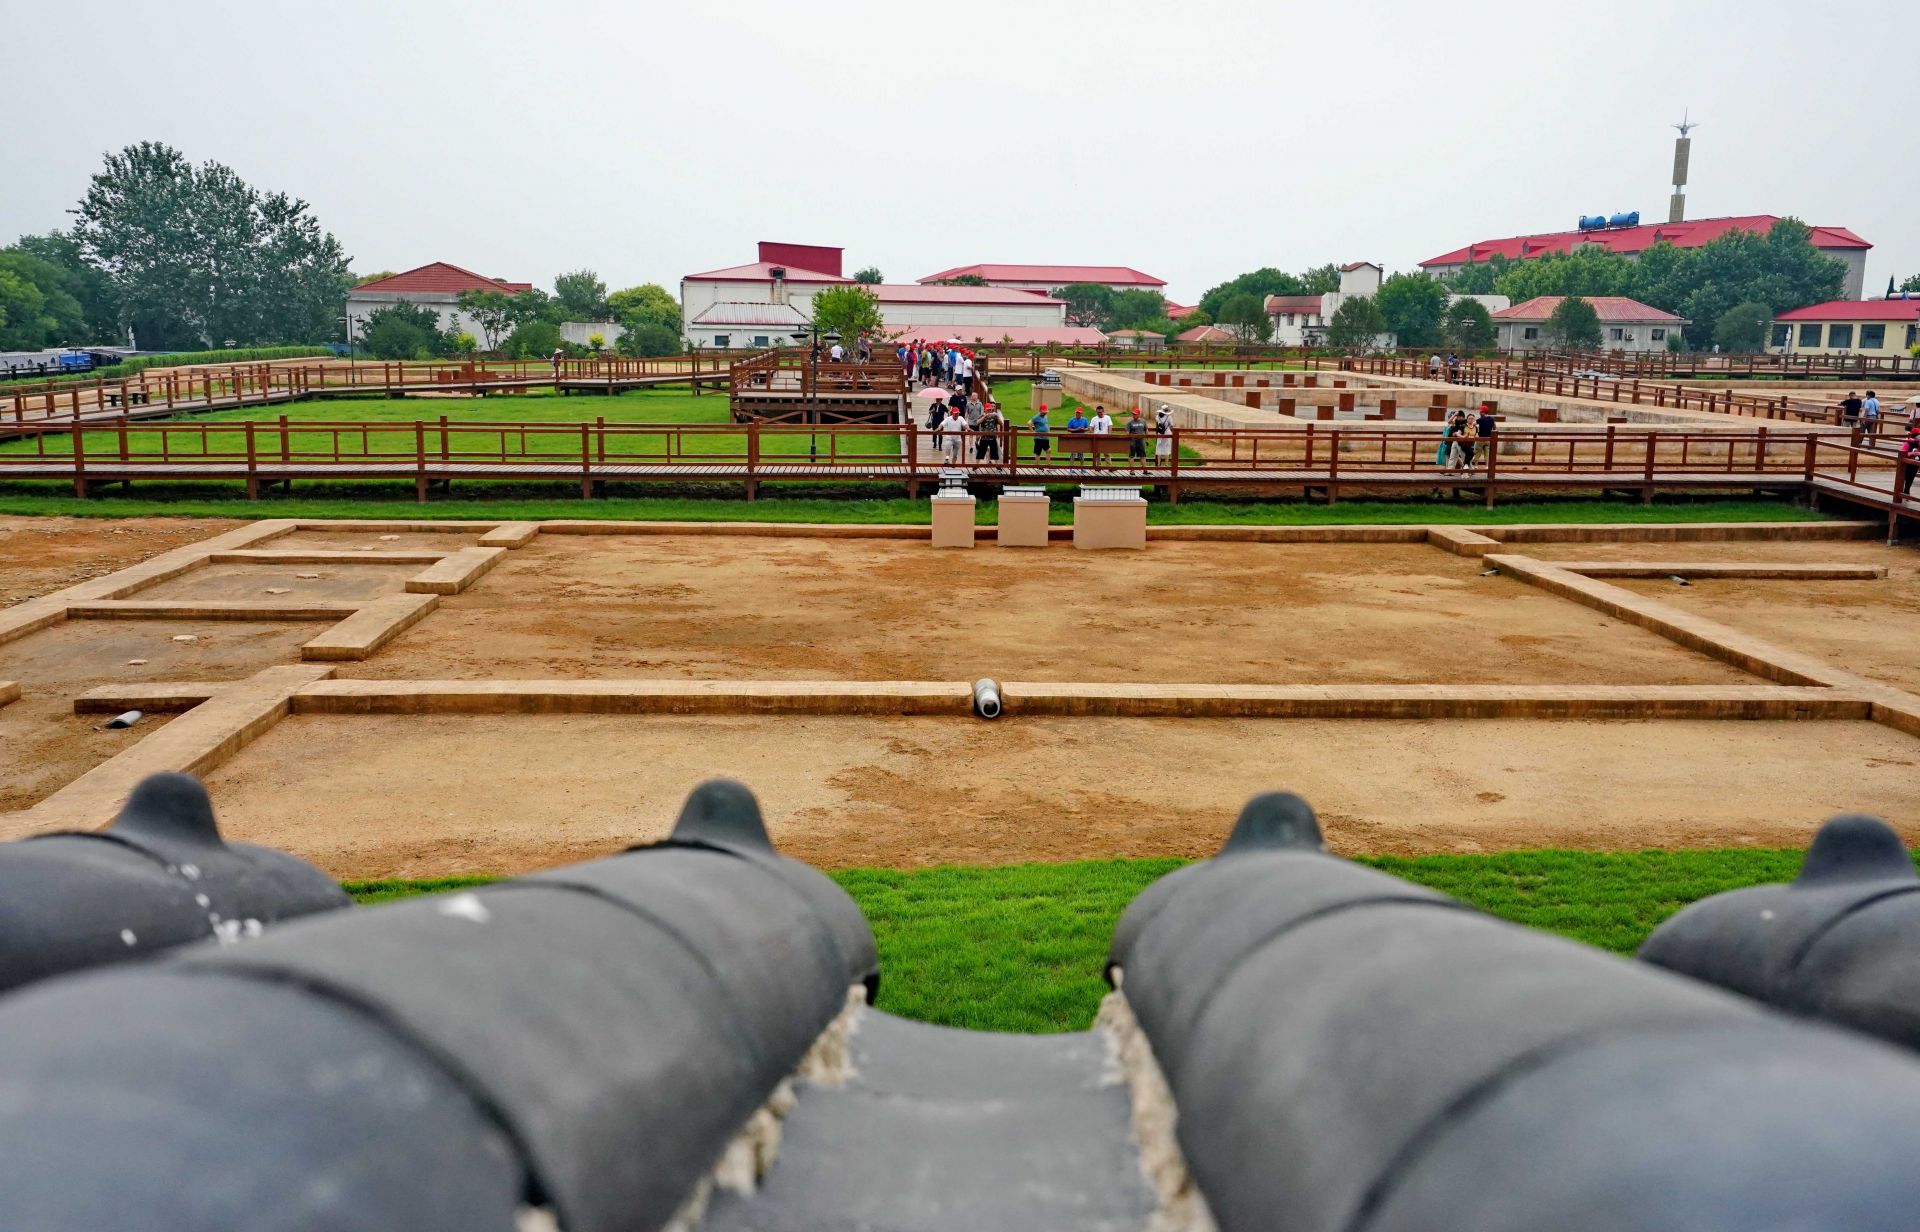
1677	208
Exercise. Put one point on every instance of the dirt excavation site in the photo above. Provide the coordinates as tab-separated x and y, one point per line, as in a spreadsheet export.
412	700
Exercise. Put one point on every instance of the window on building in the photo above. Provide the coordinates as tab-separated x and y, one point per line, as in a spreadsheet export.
1530	333
1913	335
759	340
1809	335
1659	335
1839	336
1873	337
1781	333
1616	333
723	340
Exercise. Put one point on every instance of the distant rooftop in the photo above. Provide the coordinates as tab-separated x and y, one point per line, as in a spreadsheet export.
1690	234
1113	275
441	278
1611	309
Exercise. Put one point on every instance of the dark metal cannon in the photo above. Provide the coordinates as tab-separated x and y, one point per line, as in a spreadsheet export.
1348	1051
159	876
572	1049
1841	942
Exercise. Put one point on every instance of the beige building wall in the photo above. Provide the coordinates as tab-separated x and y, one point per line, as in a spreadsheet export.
1896	338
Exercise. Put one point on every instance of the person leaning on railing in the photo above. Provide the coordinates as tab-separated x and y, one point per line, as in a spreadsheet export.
1909	464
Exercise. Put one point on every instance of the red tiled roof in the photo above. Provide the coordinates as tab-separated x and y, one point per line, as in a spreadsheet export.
762	271
1354	265
1292	303
444	279
1207	333
1176	311
1021	335
1856	310
914	293
1611	309
1124	275
1637	239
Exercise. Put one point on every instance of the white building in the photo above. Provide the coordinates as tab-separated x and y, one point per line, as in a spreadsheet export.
768	301
436	286
1625	324
1302	320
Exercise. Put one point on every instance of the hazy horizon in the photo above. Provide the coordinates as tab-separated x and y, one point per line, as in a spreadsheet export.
1192	144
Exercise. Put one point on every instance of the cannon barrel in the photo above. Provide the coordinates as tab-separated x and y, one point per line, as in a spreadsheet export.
587	1040
159	876
1346	1050
1841	942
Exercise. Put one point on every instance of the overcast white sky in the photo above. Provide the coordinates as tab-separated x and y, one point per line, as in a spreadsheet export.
1193	141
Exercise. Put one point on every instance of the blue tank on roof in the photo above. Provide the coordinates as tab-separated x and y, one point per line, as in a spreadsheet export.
1592	222
1625	220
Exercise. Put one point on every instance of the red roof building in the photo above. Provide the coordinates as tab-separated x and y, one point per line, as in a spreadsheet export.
1207	333
1881	327
1625	324
439	278
437	286
1051	278
1837	242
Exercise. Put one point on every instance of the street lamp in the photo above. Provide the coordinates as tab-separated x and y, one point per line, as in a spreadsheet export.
812	336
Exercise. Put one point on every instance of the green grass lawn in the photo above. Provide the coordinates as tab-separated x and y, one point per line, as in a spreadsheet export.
1020	947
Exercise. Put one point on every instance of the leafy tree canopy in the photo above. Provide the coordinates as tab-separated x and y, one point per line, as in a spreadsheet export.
1318	281
1467	326
1573	324
963	280
1743	327
1088	303
195	255
647	304
581	296
1357	324
1912	283
535	339
361	280
406	331
1246	315
649	339
1133	309
61	268
1412	305
870	276
847	310
1260	284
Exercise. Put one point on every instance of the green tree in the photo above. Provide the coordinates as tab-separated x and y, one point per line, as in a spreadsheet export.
1087	302
1317	281
1743	328
39	311
1246	315
1132	309
195	255
1912	283
1467	326
581	296
1412	305
647	304
1258	283
1357	324
870	276
647	340
1477	277
405	331
493	311
535	339
846	310
361	280
963	280
74	276
1573	325
1585	271
1166	327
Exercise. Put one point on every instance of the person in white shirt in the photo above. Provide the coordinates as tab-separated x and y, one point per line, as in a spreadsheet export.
1101	423
836	353
951	437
